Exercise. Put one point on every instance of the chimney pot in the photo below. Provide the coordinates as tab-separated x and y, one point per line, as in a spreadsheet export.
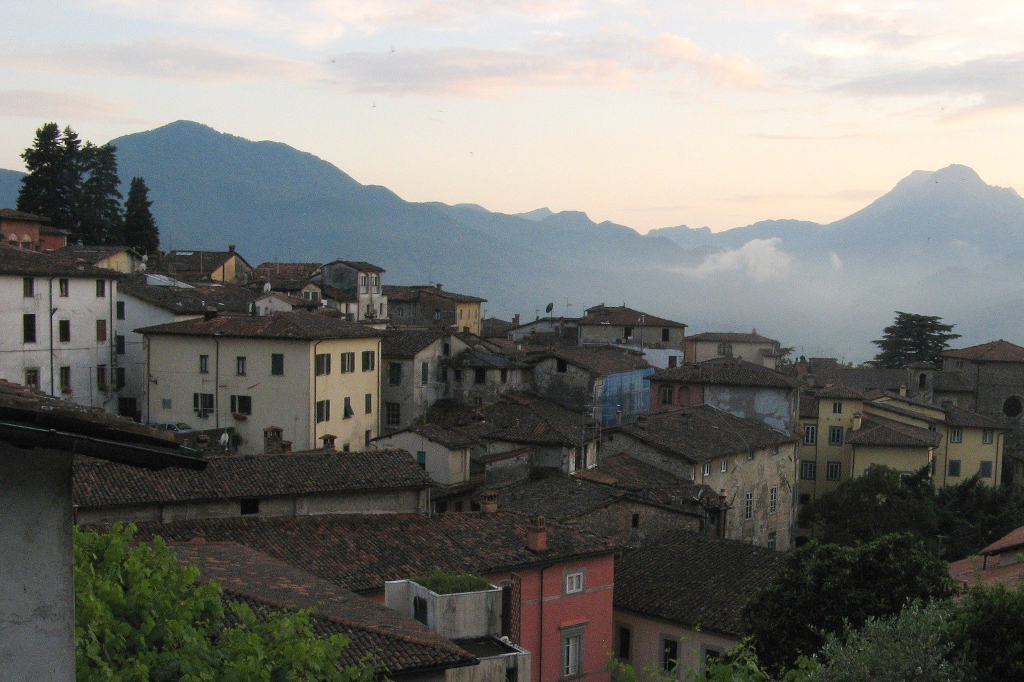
489	501
286	446
231	248
439	286
537	537
328	441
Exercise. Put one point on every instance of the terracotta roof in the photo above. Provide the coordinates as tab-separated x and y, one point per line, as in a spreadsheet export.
876	430
808	405
726	372
92	254
969	572
14	214
472	358
451	438
857	378
701	433
29	419
406	343
399	293
494	327
621	316
532	420
188	299
601	360
294	301
197	264
958	416
994	351
393	643
363	551
23	263
558	497
838	392
730	337
1012	540
692	579
285	274
316	472
361	266
297	324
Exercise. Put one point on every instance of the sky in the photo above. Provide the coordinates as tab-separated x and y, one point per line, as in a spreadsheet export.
648	113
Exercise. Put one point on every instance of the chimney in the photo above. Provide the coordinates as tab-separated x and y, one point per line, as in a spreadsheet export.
286	446
231	248
439	286
272	440
489	501
723	507
537	537
903	390
515	320
328	441
856	421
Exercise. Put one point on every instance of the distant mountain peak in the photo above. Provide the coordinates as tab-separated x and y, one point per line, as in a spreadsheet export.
537	214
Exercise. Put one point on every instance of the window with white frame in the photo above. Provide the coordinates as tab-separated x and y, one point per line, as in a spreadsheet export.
725	465
835	435
392	414
773	539
810	434
574	582
837	407
956	435
748	506
808	470
572	652
323	411
348	363
707	469
986	437
773	500
834	471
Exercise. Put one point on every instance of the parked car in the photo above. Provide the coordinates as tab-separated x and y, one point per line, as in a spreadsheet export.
176	427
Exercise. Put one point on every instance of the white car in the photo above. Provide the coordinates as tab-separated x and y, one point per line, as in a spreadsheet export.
179	427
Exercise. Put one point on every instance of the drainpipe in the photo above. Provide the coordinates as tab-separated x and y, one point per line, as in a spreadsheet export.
145	342
312	422
216	383
53	311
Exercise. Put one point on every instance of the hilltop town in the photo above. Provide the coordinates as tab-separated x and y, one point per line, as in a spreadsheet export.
313	435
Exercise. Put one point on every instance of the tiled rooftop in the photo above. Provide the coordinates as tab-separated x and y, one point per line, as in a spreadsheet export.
601	360
726	372
24	263
189	299
404	344
730	337
994	351
876	430
621	316
300	325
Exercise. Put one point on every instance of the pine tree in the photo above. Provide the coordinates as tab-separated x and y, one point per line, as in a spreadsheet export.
54	180
913	338
100	214
140	230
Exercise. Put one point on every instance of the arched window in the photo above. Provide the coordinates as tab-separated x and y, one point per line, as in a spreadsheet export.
1013	406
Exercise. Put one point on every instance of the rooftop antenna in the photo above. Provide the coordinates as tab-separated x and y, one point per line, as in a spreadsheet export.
567	306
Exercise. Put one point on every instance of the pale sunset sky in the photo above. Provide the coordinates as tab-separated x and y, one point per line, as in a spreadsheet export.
646	113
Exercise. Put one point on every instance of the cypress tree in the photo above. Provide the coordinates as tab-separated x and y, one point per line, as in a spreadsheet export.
140	230
100	214
54	180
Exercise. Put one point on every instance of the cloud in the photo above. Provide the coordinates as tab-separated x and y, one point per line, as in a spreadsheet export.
40	104
162	60
759	259
609	63
835	261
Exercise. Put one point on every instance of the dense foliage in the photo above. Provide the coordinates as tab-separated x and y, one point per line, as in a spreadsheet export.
140	230
142	617
444	582
965	517
988	627
913	338
825	588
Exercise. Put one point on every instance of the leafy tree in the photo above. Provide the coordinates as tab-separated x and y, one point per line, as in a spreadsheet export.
913	338
988	627
973	515
824	588
140	616
99	210
53	183
140	230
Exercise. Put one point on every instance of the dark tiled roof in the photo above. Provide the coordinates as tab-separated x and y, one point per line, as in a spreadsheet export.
92	254
558	497
406	343
621	316
958	416
317	472
896	408
288	275
730	337
952	382
994	351
361	266
393	643
198	264
23	262
876	430
701	433
726	372
531	420
693	579
839	392
413	293
808	405
472	358
601	360
451	438
30	418
494	327
629	473
14	214
363	551
858	378
190	300
296	324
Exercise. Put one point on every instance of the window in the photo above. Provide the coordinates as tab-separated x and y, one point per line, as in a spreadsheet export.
424	373
707	468
101	288
322	364
277	364
437	315
28	328
808	470
810	434
725	466
457	376
65	379
773	500
833	471
773	540
395	373
504	376
666	395
369	403
165	403
323	411
574	582
240	365
64	331
204	364
673	361
249	506
956	435
392	414
986	436
367	436
32	378
572	652
837	407
120	310
669	654
348	363
101	331
119	377
748	505
835	435
635	521
119	344
561	365
369	360
421	458
28	287
985	470
400	311
664	335
241	404
479	375
627	332
625	643
347	409
202	403
101	377
725	349
369	310
64	290
954	467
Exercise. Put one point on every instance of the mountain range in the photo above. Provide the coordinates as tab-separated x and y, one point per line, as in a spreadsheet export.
942	243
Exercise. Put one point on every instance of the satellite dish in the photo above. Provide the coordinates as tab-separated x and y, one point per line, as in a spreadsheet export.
551	306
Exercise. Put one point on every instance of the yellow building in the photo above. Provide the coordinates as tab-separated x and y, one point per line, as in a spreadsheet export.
120	258
310	375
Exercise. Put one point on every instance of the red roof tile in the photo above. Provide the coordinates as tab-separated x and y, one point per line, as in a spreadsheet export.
994	351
